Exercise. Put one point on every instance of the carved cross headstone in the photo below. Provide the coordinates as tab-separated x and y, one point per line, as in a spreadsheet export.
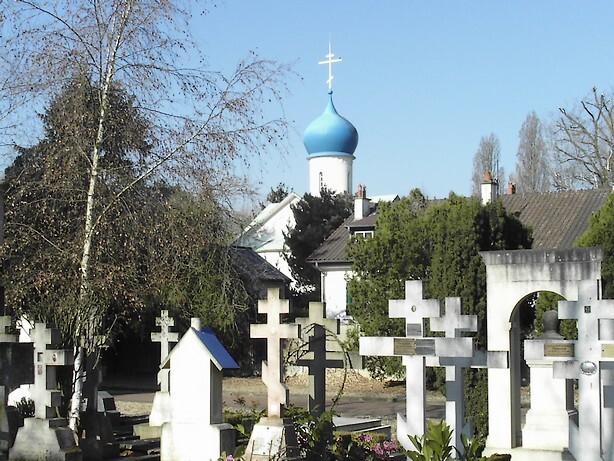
46	360
589	351
453	324
274	332
164	337
415	310
414	349
317	360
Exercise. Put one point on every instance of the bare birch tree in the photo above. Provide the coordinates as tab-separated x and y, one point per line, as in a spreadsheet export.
533	168
201	121
583	143
487	160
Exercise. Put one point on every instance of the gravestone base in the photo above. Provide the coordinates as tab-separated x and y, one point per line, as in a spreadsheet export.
272	438
100	442
546	430
194	441
45	440
525	454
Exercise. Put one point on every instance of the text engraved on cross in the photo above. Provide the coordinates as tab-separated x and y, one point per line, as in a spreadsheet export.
316	327
165	337
274	332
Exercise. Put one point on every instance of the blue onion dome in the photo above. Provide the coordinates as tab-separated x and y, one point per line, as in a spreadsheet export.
330	134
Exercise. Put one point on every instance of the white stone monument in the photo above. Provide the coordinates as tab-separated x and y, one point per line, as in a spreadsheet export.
46	437
453	323
161	408
587	440
547	421
414	349
196	430
273	437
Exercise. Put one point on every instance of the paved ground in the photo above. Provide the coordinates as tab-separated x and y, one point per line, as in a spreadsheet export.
361	397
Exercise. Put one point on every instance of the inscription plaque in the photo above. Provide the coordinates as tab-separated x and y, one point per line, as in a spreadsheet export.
425	346
404	346
558	350
607	350
413	329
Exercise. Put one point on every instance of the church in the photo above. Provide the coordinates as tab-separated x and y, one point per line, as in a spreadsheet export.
557	219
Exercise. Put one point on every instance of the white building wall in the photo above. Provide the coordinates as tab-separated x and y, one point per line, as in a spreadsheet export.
333	172
334	291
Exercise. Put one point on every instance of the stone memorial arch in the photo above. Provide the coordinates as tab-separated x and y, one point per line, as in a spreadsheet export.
511	277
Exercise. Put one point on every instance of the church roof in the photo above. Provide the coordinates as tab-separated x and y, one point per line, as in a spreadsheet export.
557	220
265	232
330	134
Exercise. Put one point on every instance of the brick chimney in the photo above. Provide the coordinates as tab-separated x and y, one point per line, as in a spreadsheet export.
362	205
512	188
488	189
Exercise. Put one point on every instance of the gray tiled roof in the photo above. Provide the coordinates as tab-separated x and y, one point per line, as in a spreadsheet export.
556	218
255	268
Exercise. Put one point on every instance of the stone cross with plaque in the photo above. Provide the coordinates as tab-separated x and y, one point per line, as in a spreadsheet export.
46	360
453	323
595	345
54	440
414	349
318	358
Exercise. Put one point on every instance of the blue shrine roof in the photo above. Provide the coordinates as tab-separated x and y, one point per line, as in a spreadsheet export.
215	347
330	134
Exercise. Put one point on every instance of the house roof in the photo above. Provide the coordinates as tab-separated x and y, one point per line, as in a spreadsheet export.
556	218
254	267
260	234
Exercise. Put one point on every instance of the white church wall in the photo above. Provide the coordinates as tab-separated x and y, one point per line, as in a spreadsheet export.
332	171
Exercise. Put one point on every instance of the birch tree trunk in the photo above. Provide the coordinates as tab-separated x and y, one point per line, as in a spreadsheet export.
88	321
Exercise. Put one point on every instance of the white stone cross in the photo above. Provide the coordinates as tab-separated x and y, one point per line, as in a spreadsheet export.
330	61
415	310
585	438
46	359
453	323
164	337
414	349
274	332
317	360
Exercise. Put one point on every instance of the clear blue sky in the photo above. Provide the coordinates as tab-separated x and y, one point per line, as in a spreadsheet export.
421	81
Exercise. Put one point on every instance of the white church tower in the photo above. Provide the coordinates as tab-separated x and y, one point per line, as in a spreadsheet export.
330	141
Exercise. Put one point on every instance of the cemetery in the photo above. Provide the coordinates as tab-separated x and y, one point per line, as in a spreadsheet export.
569	416
503	393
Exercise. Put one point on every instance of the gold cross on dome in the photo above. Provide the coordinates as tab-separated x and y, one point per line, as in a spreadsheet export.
330	61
